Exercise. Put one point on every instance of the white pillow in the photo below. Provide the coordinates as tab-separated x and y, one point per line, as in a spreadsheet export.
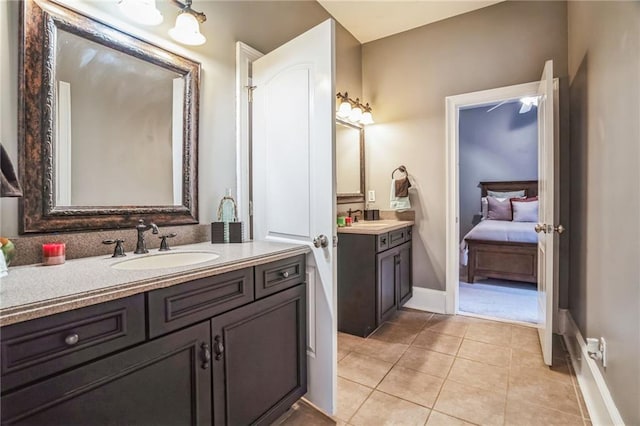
525	211
509	194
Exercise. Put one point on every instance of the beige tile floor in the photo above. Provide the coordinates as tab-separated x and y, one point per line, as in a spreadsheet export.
429	369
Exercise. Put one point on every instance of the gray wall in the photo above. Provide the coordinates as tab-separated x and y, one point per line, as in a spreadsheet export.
494	146
604	67
263	25
407	78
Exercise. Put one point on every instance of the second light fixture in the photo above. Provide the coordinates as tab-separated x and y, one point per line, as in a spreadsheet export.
353	110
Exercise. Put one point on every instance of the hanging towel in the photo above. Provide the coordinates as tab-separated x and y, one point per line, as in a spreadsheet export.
402	187
398	203
9	185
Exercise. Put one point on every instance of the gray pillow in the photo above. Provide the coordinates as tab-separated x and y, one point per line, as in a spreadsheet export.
499	208
510	194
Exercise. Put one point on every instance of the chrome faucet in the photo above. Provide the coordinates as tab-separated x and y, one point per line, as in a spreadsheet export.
141	227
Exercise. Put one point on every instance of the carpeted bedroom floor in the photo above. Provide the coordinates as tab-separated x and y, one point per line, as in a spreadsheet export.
502	299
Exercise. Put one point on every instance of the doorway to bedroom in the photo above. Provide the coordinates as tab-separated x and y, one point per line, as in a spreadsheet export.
497	187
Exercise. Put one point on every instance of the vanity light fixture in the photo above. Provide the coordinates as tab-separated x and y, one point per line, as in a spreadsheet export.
187	27
141	11
367	118
353	110
344	106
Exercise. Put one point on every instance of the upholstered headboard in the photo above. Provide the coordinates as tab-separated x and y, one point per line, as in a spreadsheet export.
530	186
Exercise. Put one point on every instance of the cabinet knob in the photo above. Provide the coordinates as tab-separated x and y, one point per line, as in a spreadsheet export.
285	274
218	347
72	339
206	355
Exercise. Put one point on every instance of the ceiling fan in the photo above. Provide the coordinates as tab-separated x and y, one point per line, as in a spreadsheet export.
527	102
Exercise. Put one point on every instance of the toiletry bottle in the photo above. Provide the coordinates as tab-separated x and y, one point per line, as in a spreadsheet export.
227	212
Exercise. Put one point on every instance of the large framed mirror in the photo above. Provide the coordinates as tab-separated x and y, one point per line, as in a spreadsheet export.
108	126
349	162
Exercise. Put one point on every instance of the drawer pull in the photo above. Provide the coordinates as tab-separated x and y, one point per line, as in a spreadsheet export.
72	339
218	348
206	355
383	240
285	274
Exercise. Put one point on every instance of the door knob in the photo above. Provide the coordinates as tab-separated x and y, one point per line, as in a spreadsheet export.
549	228
321	241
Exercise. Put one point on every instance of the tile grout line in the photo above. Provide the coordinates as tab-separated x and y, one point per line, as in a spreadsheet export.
375	388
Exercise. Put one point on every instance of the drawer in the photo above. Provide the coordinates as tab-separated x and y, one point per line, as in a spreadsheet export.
382	242
279	275
43	346
397	237
181	305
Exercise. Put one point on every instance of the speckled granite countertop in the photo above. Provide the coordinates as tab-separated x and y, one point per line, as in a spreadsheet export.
375	227
35	291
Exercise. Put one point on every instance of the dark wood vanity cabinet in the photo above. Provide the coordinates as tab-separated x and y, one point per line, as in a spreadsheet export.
242	363
374	279
260	351
166	381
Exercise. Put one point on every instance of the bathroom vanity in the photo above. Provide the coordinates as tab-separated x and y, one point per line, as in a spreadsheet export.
374	274
219	342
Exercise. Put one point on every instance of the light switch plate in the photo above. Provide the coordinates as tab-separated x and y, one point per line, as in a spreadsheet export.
371	196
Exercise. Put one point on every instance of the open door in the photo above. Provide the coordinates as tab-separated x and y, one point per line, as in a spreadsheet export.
548	212
293	180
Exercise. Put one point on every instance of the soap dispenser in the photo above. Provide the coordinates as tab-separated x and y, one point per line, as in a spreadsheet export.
227	213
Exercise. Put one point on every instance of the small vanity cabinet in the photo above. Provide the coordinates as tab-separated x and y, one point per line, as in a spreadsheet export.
374	278
214	350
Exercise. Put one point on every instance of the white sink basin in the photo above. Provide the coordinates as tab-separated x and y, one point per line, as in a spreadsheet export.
166	260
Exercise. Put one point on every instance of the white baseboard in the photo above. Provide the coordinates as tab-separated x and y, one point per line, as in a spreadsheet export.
602	409
426	299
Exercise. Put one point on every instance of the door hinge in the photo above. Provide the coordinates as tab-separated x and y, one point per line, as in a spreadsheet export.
250	90
250	208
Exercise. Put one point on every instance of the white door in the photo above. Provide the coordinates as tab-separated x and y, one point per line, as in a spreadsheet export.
548	212
293	180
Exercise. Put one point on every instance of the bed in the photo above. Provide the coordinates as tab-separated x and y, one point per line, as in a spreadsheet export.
503	249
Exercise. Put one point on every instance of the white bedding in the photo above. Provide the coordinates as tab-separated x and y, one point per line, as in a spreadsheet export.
499	230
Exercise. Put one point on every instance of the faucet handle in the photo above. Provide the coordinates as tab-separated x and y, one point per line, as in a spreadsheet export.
118	250
164	246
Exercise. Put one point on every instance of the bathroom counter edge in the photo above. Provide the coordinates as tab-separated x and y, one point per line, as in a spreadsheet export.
371	229
35	291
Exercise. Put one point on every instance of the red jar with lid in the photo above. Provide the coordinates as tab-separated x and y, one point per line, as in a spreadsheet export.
53	253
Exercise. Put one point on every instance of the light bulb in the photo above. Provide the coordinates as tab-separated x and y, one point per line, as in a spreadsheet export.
367	118
345	109
142	11
187	30
356	114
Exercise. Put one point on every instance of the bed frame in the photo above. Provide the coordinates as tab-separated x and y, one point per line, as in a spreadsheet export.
504	260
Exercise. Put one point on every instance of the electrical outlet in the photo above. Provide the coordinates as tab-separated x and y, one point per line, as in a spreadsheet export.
371	196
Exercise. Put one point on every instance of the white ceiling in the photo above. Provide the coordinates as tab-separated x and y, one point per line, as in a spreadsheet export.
370	20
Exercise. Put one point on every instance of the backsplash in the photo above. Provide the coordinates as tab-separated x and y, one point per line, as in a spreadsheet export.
387	214
86	244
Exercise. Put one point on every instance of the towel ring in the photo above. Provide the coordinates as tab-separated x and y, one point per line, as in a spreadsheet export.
401	169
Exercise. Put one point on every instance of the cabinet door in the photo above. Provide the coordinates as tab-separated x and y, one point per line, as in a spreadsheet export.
386	285
163	382
405	276
259	359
